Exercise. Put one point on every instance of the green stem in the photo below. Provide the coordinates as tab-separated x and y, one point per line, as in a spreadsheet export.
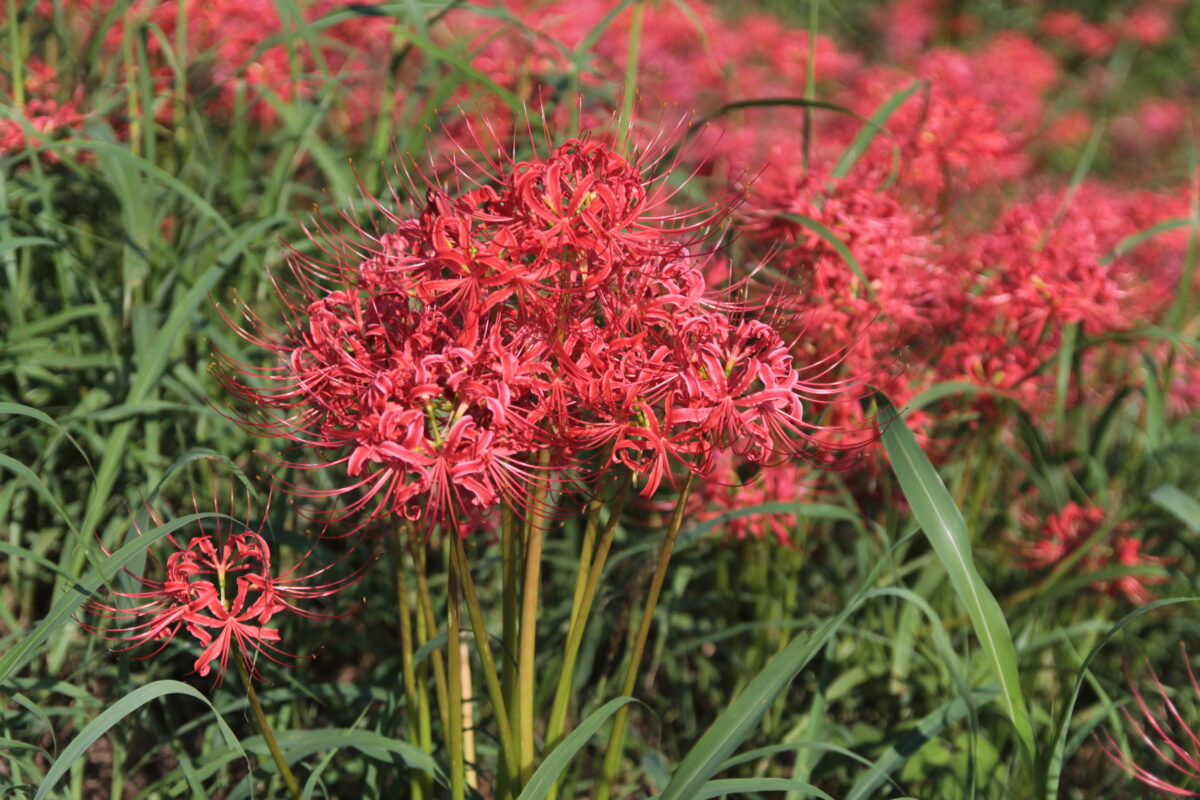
491	676
424	716
810	78
131	93
527	646
511	560
181	131
590	569
268	735
17	60
1183	297
420	786
616	740
458	785
631	72
426	610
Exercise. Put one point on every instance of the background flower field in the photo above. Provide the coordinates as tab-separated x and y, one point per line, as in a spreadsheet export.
421	320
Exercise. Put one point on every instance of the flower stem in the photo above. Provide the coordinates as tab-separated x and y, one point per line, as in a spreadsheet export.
511	559
420	786
591	565
631	71
527	651
268	735
810	79
616	740
426	611
17	59
508	752
454	733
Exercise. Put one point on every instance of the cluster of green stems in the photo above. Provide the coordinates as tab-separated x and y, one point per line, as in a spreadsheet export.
510	674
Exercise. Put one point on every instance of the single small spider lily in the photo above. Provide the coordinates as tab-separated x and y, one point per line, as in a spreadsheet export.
219	588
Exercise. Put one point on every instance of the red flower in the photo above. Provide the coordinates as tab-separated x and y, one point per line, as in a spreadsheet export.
45	112
558	305
220	589
1077	527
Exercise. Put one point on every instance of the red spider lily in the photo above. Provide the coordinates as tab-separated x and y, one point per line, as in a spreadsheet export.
733	485
557	305
237	51
220	589
45	112
1078	527
1168	735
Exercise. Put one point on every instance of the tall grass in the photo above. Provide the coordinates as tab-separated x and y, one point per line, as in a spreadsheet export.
896	652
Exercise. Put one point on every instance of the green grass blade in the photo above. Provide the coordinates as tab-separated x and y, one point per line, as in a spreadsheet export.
739	719
123	156
908	743
943	524
114	714
1056	757
873	127
770	102
946	389
739	786
775	749
837	244
548	773
17	242
298	745
1066	358
1155	403
149	371
1186	508
62	611
43	491
1134	239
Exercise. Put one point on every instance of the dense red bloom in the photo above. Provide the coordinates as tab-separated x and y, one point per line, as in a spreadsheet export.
1041	268
220	589
243	57
1168	733
909	297
967	128
558	305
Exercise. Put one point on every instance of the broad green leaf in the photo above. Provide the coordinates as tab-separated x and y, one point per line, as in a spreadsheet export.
1183	506
733	787
943	525
742	715
552	767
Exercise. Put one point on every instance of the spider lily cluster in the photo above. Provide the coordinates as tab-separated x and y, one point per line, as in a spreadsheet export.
554	318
